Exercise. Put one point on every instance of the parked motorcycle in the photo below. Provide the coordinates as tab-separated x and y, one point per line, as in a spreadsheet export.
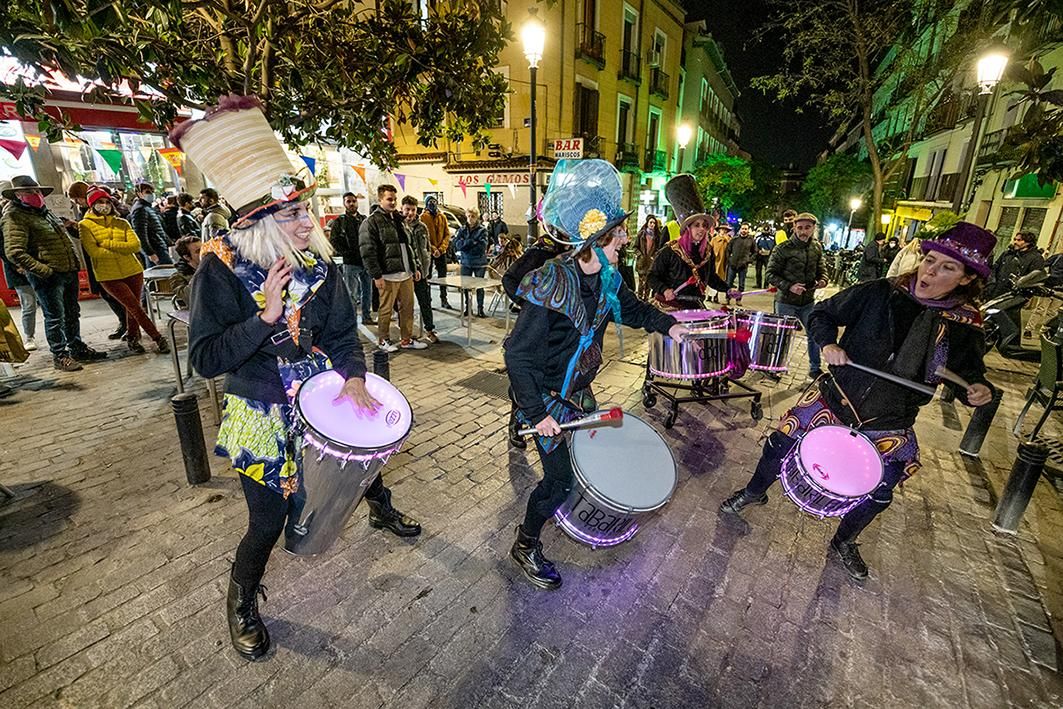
1002	316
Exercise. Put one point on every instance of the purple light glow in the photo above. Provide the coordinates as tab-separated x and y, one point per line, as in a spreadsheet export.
813	500
581	536
765	324
324	448
766	368
672	375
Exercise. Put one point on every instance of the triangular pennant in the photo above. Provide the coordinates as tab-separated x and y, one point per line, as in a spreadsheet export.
487	187
401	179
512	190
174	156
311	163
112	157
33	140
15	147
464	187
360	171
434	183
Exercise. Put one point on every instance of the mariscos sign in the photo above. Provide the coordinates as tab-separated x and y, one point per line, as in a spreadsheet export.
571	148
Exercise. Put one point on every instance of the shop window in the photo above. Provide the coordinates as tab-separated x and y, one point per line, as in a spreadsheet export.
1033	218
489	203
1005	228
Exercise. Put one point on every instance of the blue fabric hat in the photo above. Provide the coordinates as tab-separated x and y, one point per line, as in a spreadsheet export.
583	201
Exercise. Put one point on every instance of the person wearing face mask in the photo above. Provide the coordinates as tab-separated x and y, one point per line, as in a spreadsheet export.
36	241
908	326
438	242
78	193
683	269
147	223
555	349
269	310
111	244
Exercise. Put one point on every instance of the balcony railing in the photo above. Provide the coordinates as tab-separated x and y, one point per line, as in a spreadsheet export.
627	157
659	82
590	44
655	161
950	111
630	66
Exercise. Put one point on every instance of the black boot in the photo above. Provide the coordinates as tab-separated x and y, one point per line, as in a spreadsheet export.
84	353
849	554
383	516
248	632
117	334
515	439
527	551
740	500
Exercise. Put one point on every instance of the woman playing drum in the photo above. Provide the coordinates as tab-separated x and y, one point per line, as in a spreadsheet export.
909	327
269	310
556	346
682	269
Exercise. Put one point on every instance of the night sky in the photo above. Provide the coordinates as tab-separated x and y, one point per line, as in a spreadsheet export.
771	131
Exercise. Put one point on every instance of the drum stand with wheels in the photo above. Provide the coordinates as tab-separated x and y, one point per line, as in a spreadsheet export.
701	391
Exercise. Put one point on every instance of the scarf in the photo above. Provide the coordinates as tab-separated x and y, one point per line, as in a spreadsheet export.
926	347
695	269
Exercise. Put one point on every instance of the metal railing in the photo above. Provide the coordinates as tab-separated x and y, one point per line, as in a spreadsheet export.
627	157
659	82
630	66
655	161
590	44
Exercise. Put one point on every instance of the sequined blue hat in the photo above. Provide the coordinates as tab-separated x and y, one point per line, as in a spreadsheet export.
583	201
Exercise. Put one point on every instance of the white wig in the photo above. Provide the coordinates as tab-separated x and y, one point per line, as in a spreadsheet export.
263	242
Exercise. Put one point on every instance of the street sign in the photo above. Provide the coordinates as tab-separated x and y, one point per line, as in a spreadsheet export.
568	148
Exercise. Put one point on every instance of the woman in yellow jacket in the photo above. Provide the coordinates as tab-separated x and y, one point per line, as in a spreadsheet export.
112	245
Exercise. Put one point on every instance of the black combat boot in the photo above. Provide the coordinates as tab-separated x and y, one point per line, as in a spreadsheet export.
383	516
740	500
527	551
248	632
849	554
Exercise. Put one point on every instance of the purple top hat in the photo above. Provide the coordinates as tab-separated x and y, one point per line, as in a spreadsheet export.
970	244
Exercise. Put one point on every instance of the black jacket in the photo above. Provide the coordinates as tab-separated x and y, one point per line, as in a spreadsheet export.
179	223
741	250
382	240
877	317
872	263
147	223
670	271
226	336
795	261
543	341
1012	264
344	237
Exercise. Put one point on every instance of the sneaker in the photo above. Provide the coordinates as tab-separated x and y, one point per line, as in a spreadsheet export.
387	346
162	346
66	363
135	347
118	334
480	313
849	554
87	354
431	336
413	345
30	344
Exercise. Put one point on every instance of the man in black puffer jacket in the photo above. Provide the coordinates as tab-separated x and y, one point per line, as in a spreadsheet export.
796	268
393	264
147	223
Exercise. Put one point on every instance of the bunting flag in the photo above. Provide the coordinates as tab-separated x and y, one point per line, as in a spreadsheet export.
34	140
434	183
174	156
464	187
113	158
360	171
401	179
311	163
15	147
512	190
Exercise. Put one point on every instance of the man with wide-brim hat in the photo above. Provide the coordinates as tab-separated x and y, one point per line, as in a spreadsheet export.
683	269
555	350
797	269
36	241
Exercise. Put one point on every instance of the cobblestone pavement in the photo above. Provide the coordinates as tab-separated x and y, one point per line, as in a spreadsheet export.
113	569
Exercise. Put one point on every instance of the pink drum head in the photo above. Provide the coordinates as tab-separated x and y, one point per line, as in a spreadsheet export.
338	420
697	315
840	460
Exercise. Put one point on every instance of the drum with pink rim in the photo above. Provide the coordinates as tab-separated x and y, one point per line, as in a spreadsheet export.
343	450
831	470
703	354
771	337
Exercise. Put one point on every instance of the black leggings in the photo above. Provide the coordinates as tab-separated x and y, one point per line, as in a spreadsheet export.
856	519
551	490
268	512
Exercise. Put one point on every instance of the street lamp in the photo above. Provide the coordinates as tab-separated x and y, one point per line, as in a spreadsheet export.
990	70
854	204
683	135
533	36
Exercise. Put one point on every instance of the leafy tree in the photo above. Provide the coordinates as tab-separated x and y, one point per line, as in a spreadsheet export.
829	185
326	69
939	223
855	62
761	203
722	179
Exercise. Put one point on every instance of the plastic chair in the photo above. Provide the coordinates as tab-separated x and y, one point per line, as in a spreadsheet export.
1047	387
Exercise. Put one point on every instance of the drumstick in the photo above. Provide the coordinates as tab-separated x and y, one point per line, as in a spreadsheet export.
950	376
773	289
901	381
615	414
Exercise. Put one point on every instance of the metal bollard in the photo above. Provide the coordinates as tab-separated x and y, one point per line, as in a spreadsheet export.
381	365
1029	464
979	425
190	433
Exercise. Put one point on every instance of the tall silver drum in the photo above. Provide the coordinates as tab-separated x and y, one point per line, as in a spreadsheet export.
342	453
623	474
771	338
705	353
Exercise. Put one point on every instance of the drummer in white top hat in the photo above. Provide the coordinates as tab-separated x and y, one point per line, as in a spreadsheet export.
556	346
269	310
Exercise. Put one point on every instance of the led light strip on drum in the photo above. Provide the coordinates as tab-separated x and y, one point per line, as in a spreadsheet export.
564	522
671	375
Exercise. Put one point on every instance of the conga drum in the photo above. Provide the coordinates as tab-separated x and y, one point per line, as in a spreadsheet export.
342	453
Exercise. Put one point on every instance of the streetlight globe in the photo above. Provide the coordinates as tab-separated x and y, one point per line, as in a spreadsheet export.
991	69
683	134
533	37
855	203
